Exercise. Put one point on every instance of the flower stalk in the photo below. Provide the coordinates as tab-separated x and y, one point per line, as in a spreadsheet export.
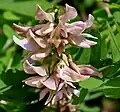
48	40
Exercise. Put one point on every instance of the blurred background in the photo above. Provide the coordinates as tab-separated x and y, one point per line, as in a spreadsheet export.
97	95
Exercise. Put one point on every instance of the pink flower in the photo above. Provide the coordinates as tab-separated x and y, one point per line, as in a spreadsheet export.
30	68
35	38
75	73
56	88
36	45
74	31
41	15
56	79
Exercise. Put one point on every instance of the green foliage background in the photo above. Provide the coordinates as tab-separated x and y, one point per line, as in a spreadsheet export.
17	97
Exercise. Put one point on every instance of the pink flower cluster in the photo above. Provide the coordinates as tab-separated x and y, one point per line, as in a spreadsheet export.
48	39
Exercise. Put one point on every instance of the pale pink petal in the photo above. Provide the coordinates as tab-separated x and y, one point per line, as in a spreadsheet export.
57	97
90	43
73	66
75	28
41	54
87	43
43	93
50	83
27	44
89	22
27	68
41	70
70	84
89	70
88	35
45	29
65	76
84	44
33	81
63	31
60	86
41	15
40	41
68	74
70	13
19	28
81	41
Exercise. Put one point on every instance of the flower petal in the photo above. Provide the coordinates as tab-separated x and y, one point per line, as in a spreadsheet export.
81	41
89	70
75	28
70	84
45	29
40	41
50	83
19	28
88	35
27	68
41	70
27	44
41	54
57	97
70	13
68	74
89	22
60	86
33	81
41	15
43	93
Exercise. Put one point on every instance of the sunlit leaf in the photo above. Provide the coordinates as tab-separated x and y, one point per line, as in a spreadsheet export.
8	31
84	58
25	7
115	44
112	88
91	83
10	16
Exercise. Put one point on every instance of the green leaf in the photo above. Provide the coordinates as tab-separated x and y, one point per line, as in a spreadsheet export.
83	93
103	52
8	31
85	56
100	13
91	83
95	50
25	7
112	88
6	57
16	63
117	16
2	42
115	44
11	16
2	84
13	78
86	108
93	96
110	70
